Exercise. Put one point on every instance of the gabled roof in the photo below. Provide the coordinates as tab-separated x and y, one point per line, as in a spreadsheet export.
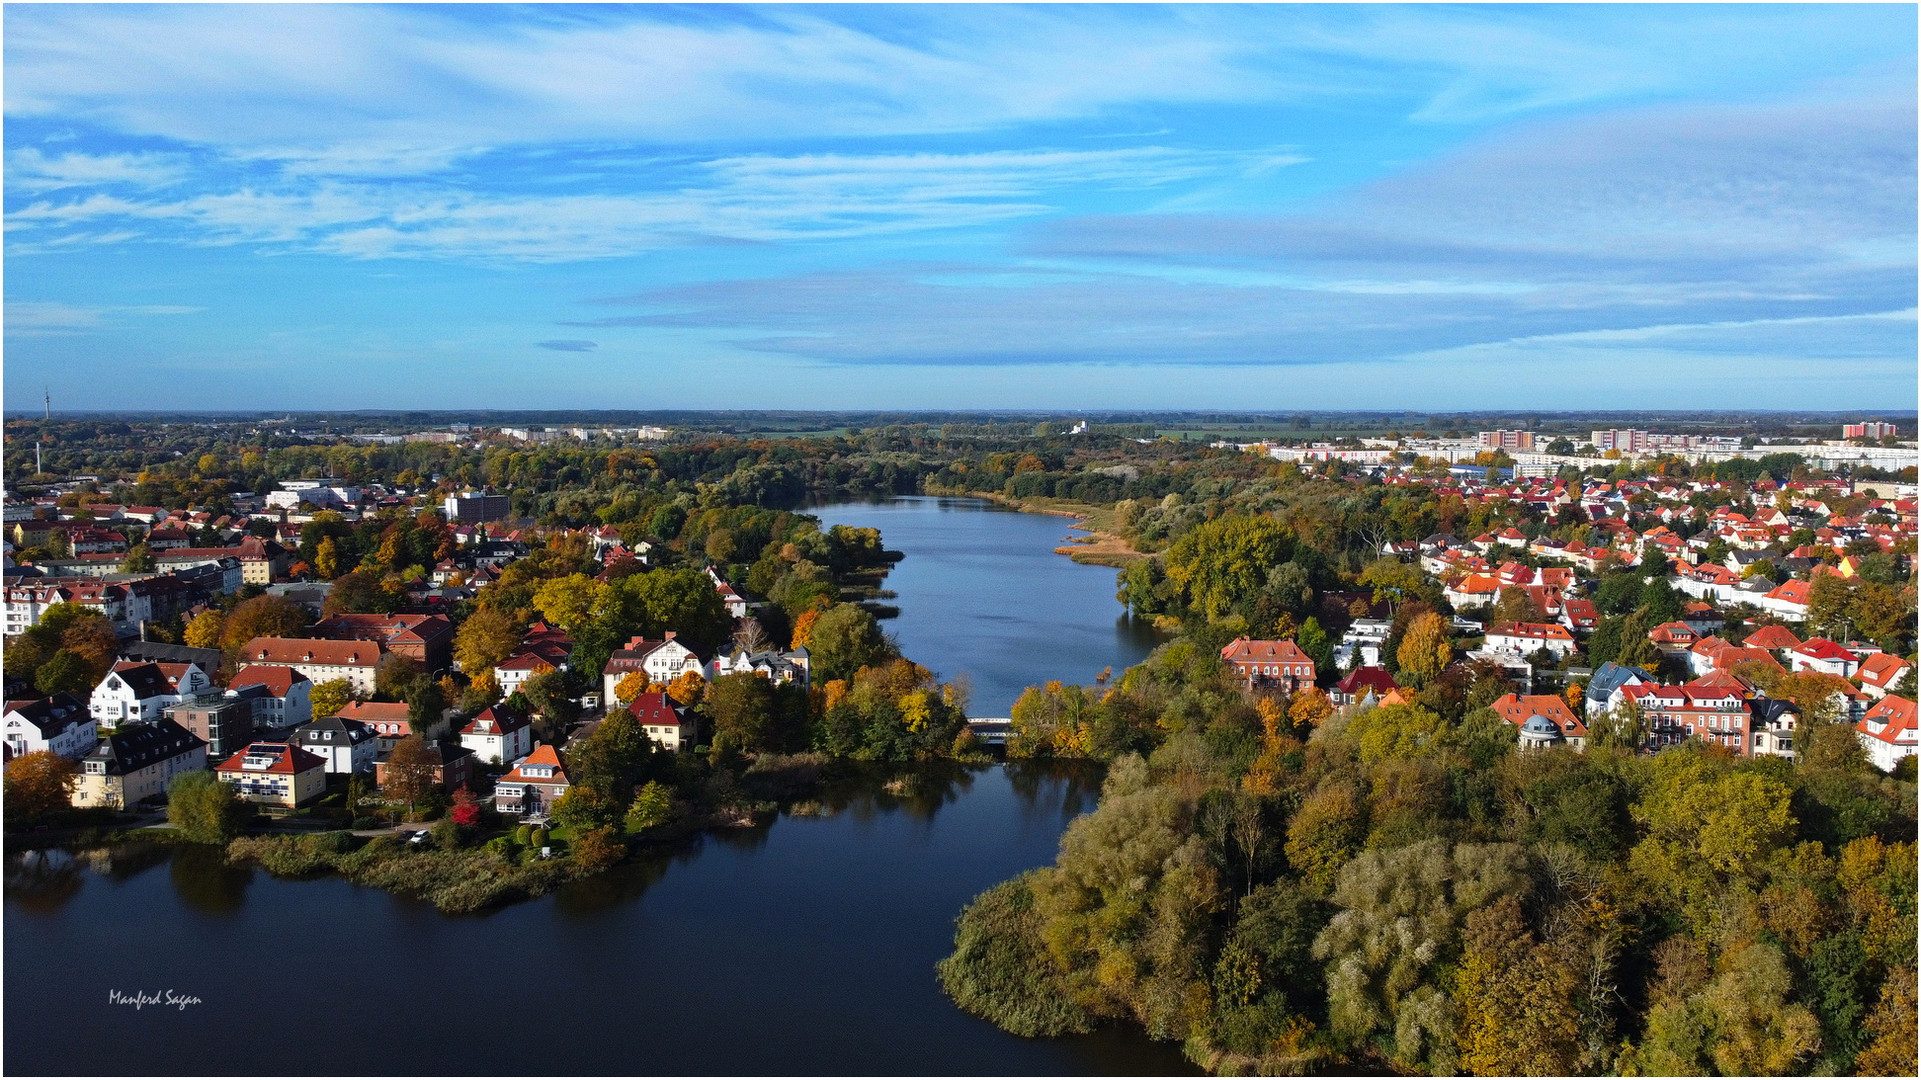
346	731
542	755
136	746
50	716
655	708
284	759
1362	679
268	650
1517	708
1538	631
1772	636
278	680
375	711
1896	713
1823	649
146	680
1246	650
494	720
1882	670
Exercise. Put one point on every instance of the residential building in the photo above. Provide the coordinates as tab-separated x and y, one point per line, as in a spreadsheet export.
160	652
1503	439
225	724
135	692
136	763
782	667
1555	723
286	698
1773	637
1822	655
1880	672
1270	663
346	746
453	766
123	606
497	736
1872	429
532	786
665	722
473	506
320	660
1673	638
1361	684
1887	731
1525	638
662	661
60	723
1712	709
428	639
1626	440
391	722
1604	687
275	774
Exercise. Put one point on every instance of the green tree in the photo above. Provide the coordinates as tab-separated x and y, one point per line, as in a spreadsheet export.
139	560
1220	566
653	806
845	639
330	696
741	707
66	672
205	808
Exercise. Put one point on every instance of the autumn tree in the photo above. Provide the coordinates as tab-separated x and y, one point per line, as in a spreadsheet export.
410	772
465	810
486	638
845	639
39	783
262	616
1223	564
205	808
1424	650
741	707
630	687
204	631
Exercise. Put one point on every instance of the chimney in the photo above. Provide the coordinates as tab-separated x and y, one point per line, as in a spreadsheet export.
668	636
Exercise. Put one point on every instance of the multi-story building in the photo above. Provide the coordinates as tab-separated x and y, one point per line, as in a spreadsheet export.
136	691
1712	709
276	774
59	723
1274	663
1872	429
320	660
497	737
673	727
1626	440
532	786
473	506
136	763
1503	439
347	746
1887	730
662	661
224	723
428	639
286	696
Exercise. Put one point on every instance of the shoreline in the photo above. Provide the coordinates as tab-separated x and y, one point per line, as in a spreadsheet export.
1101	547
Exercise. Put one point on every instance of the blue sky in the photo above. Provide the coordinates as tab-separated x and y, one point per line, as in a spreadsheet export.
961	207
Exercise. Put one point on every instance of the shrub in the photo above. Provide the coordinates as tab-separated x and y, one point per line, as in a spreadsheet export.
206	809
1002	971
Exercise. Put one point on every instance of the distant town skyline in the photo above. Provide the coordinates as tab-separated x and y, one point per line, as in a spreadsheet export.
1081	208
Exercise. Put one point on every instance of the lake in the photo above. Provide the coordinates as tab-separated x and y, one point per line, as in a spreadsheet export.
982	594
803	947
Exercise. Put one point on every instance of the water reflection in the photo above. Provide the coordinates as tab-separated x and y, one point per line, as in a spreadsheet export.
42	882
206	882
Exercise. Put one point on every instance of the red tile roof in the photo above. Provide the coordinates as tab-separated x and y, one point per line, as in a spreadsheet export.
266	650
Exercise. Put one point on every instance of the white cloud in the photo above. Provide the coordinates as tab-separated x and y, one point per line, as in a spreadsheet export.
46	318
754	198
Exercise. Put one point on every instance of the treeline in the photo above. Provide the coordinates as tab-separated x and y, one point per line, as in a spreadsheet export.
1287	889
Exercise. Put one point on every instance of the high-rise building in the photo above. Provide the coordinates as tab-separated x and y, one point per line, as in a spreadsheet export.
1872	429
1626	440
1507	440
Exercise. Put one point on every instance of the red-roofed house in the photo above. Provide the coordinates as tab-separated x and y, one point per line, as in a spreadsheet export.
533	784
1789	600
1888	731
1518	709
1714	711
1673	638
664	722
278	774
319	660
1473	590
1356	685
1276	663
497	736
1820	654
1524	638
1772	637
1579	615
1880	671
289	696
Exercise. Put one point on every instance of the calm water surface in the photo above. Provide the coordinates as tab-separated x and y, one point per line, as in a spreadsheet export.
806	947
982	593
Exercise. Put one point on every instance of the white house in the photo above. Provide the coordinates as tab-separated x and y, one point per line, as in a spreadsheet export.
497	736
288	699
347	746
1524	639
59	723
136	691
662	661
781	667
1822	655
1888	731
